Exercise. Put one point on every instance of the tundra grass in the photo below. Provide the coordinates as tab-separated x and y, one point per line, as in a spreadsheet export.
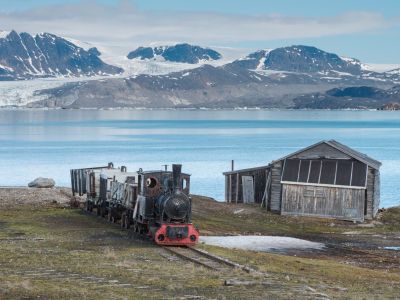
220	218
337	280
54	252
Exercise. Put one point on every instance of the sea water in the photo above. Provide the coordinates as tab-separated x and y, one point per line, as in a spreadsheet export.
49	143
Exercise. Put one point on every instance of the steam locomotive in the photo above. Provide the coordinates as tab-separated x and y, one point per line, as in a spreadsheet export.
152	203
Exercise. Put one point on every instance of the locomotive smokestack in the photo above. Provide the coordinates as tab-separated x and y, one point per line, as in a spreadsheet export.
176	175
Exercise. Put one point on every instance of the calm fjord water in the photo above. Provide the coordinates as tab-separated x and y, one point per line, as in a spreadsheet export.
48	143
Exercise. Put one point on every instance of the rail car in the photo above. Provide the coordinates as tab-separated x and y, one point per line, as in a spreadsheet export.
152	203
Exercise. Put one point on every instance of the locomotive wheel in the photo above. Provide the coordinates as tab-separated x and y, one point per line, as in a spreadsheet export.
127	223
141	230
123	220
113	218
102	211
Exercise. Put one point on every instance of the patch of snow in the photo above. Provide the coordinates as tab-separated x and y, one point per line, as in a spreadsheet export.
178	101
394	72
261	64
3	34
350	60
380	68
84	45
261	243
330	78
272	72
392	248
6	68
342	73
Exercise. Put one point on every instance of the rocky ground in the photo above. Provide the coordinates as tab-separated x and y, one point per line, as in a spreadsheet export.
49	250
12	197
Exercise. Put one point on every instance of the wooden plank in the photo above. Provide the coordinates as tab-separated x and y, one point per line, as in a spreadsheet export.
237	187
276	174
370	194
377	196
248	189
226	189
72	182
320	201
325	185
230	188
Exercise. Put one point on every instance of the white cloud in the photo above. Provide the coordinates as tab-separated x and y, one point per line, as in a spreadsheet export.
125	25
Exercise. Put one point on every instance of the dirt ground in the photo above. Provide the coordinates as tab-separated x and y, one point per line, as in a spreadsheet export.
49	250
359	244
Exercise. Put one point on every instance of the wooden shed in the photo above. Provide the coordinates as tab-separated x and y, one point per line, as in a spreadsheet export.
246	185
327	179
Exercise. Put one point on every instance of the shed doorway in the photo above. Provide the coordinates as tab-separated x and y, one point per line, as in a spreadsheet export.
248	189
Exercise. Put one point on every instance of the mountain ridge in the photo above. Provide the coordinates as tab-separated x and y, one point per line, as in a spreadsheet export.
181	52
187	76
23	56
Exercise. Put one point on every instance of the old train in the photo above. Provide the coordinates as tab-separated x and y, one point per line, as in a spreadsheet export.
152	203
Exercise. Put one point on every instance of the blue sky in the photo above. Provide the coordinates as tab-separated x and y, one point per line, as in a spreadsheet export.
286	7
365	29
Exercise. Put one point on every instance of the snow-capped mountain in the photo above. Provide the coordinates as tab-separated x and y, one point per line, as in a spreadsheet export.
23	56
181	53
394	71
205	86
300	59
178	75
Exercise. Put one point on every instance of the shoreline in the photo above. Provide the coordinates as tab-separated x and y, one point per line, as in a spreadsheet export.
21	187
22	108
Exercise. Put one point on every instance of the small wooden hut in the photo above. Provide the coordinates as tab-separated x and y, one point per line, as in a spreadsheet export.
327	179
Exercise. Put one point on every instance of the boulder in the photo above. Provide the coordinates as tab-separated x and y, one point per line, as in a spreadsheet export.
42	183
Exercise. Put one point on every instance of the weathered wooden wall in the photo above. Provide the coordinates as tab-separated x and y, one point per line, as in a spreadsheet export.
377	192
234	188
373	193
306	200
276	187
370	194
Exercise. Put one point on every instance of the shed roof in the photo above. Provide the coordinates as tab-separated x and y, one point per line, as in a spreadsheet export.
332	143
246	170
344	149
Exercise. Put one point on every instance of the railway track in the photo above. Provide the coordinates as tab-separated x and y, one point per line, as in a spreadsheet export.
201	257
206	259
